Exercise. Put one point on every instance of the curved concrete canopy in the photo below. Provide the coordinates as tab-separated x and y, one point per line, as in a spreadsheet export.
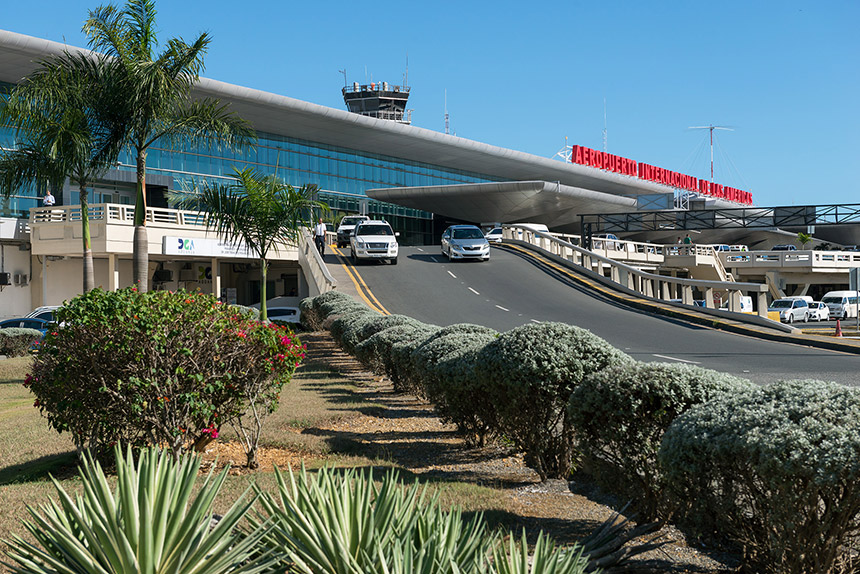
551	203
290	117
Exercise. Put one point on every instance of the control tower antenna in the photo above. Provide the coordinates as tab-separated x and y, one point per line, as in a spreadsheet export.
711	128
447	127
564	153
604	124
406	73
344	76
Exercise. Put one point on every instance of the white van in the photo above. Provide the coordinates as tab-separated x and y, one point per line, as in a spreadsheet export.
534	226
842	304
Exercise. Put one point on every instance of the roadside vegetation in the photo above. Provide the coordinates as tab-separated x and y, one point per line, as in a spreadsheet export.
771	470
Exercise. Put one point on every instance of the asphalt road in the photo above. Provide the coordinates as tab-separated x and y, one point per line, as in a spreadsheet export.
510	290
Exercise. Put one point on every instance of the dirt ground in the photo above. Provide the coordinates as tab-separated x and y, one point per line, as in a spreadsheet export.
406	431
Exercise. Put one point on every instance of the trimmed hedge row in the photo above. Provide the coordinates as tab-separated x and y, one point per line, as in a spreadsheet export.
775	469
17	342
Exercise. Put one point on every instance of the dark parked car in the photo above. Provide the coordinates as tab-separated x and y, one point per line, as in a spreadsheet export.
26	323
783	248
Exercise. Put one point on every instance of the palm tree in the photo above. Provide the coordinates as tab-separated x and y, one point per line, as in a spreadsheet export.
53	112
156	89
259	210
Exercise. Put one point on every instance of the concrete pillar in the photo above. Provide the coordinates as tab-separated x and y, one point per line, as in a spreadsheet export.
666	290
687	294
709	298
44	279
113	272
303	288
762	304
735	301
216	277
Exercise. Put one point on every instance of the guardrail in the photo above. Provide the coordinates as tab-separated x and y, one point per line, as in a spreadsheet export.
646	284
315	270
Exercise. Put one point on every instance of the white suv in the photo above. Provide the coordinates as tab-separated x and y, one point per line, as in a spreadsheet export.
346	227
374	240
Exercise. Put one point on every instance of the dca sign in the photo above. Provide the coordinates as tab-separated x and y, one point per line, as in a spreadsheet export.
203	247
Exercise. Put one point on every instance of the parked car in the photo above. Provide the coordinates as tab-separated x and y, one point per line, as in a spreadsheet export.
791	310
785	247
605	241
26	323
374	239
465	242
284	314
818	311
347	226
494	235
45	312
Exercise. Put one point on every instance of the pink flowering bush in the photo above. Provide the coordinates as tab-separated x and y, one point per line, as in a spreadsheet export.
160	368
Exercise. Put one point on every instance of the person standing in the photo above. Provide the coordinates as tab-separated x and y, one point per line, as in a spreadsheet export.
688	240
48	200
319	236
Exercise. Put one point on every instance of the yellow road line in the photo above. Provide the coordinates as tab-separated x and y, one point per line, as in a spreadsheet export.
359	283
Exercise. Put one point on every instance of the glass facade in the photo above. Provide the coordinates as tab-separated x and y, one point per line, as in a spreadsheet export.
343	176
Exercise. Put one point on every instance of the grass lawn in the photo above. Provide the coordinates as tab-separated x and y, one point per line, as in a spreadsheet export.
30	450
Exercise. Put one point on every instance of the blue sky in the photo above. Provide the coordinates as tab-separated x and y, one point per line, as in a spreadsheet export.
783	75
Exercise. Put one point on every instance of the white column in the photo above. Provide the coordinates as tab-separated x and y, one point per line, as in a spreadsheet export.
216	277
113	272
44	280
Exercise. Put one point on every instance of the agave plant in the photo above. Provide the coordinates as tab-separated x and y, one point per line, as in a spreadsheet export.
148	525
341	522
546	558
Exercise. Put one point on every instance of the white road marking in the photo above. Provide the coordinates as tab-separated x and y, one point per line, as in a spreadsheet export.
419	249
535	321
676	359
433	257
452	275
502	308
473	291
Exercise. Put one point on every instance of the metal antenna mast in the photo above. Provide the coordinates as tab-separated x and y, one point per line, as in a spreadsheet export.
344	76
711	129
604	124
447	128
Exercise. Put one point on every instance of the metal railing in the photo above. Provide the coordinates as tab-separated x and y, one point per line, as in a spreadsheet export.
118	214
646	284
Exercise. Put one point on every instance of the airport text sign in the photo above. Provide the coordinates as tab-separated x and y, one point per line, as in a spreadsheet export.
602	160
205	247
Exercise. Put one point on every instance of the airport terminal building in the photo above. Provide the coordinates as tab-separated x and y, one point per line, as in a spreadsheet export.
367	158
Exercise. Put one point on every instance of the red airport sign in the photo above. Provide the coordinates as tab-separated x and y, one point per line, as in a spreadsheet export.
602	160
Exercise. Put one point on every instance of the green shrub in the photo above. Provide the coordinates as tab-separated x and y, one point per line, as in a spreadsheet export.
17	342
776	469
368	330
149	522
455	388
531	372
401	369
619	415
311	308
160	368
375	351
308	313
346	324
426	356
